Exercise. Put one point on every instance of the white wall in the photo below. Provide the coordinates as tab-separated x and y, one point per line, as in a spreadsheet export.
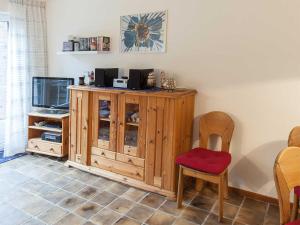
241	56
3	5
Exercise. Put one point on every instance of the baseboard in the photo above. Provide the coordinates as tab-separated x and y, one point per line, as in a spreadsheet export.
254	195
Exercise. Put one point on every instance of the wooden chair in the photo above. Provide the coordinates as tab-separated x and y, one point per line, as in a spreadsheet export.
294	140
287	177
205	164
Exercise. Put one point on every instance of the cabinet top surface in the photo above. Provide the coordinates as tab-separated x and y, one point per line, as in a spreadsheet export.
156	93
54	116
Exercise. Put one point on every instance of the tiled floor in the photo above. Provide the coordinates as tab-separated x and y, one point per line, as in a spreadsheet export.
36	190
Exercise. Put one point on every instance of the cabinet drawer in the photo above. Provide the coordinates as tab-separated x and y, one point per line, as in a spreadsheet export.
118	167
103	153
103	144
130	150
131	160
37	144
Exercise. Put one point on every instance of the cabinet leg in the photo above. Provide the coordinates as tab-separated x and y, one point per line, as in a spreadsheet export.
180	188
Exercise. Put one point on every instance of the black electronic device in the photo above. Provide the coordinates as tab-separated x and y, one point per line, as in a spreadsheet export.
138	78
52	136
51	92
104	77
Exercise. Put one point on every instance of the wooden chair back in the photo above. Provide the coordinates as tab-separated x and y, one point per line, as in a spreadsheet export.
216	123
287	176
294	137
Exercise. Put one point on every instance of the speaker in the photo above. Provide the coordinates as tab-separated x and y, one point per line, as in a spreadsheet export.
138	78
104	77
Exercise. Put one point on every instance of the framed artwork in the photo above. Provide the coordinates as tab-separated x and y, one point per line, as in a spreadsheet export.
145	32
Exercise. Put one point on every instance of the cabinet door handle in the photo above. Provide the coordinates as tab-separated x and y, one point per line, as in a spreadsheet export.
102	153
138	174
121	124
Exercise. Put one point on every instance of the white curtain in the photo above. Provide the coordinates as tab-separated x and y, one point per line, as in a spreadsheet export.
27	57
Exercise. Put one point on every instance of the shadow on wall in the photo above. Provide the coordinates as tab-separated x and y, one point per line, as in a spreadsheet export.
255	169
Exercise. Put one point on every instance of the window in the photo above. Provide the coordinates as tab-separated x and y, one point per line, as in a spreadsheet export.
4	25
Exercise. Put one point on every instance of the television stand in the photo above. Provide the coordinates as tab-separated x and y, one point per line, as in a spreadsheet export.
53	111
35	142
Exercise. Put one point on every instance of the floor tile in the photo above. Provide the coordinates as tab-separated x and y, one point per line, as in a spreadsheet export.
181	221
36	207
52	215
104	198
171	208
60	181
127	221
160	218
55	196
71	219
12	216
33	222
194	215
88	192
140	212
153	200
105	217
121	205
248	216
102	184
214	220
72	202
272	217
202	202
117	188
229	211
88	210
255	205
74	186
234	198
48	177
134	194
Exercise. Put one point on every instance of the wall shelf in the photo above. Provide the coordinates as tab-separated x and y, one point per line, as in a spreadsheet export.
81	52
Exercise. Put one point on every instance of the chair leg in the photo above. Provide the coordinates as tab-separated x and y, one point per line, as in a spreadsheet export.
221	197
295	208
199	185
180	188
226	195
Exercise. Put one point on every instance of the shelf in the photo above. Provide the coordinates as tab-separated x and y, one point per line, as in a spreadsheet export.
81	52
132	124
105	119
45	128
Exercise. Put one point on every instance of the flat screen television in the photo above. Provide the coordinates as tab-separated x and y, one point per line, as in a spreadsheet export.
51	92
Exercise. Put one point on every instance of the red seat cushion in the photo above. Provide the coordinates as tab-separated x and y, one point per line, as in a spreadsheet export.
297	191
205	160
297	222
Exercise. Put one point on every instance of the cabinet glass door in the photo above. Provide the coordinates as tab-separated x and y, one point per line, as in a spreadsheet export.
132	125
104	116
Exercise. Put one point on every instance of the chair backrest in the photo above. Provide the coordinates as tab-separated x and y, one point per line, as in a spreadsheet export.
286	176
216	123
294	137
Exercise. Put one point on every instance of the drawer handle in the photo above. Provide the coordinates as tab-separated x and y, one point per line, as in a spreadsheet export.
37	147
130	160
51	149
102	153
138	174
96	161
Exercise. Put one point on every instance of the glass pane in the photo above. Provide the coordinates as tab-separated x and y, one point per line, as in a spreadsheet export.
132	124
104	120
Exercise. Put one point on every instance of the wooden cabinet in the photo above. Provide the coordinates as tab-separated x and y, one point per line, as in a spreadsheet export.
131	136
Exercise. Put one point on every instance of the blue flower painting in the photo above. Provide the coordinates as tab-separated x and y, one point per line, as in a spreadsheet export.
144	32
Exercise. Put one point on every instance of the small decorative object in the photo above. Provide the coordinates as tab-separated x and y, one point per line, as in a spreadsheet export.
91	76
144	32
76	46
68	46
84	44
93	44
167	83
151	81
81	80
103	43
135	117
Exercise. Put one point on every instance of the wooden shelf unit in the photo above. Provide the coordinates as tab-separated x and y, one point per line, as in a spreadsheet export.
37	145
139	154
